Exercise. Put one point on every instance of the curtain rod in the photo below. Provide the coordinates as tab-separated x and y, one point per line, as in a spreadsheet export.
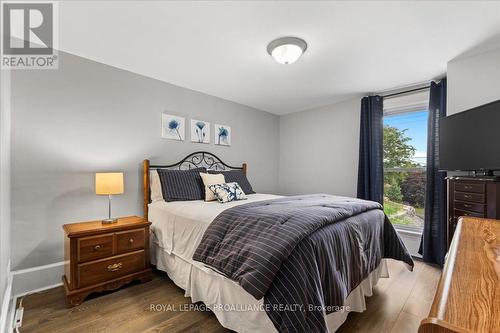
407	91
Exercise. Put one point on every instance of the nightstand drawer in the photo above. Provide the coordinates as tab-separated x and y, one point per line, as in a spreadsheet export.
95	247
107	269
130	240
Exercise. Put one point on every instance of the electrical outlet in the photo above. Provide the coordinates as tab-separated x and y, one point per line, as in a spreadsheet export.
18	319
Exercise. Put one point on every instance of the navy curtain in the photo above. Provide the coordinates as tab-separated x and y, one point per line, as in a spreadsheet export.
370	169
433	244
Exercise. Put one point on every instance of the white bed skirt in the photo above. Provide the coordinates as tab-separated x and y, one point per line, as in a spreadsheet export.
205	285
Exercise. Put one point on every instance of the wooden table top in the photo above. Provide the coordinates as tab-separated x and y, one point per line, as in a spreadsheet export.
468	295
97	227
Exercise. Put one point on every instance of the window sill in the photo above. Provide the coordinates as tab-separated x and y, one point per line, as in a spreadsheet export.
410	231
411	237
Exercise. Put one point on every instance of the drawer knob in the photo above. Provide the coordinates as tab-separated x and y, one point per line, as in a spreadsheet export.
97	247
131	240
115	267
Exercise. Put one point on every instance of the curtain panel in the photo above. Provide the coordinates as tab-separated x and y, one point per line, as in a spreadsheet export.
370	168
433	244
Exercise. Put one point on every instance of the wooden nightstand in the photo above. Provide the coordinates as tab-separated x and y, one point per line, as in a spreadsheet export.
104	256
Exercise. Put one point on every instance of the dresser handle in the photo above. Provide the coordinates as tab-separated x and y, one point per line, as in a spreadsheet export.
467	206
468	187
131	240
467	196
114	267
97	247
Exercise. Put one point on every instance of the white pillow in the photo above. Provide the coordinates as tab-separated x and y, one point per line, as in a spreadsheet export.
211	179
155	186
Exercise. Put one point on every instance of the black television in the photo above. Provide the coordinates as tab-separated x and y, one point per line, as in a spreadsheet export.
470	140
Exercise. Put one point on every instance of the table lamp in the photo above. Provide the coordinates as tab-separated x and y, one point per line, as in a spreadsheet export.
109	183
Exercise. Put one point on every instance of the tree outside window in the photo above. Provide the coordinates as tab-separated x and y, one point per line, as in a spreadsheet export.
404	173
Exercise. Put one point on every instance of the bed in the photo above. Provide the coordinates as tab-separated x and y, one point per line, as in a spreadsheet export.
180	246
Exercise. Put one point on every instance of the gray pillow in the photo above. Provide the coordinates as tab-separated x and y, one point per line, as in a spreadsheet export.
182	185
236	176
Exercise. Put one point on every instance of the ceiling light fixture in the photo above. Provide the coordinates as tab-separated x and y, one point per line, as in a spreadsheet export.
287	50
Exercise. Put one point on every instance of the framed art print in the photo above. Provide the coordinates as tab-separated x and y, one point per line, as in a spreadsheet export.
173	127
222	135
200	131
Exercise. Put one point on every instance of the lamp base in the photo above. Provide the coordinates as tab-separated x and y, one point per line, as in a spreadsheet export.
109	221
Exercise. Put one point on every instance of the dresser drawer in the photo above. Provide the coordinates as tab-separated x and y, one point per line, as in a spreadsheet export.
94	247
458	213
130	240
107	269
470	187
471	207
470	197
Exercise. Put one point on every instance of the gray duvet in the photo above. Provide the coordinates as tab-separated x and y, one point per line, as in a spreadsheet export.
303	254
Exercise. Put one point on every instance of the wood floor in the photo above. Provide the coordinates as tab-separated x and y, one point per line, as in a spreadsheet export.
397	306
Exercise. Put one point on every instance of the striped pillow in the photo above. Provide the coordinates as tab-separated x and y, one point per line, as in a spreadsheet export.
182	185
236	176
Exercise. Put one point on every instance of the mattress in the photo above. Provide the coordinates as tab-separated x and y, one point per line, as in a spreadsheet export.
180	225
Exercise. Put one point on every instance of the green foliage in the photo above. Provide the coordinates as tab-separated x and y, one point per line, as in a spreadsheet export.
401	185
391	209
393	192
397	150
402	220
393	179
397	154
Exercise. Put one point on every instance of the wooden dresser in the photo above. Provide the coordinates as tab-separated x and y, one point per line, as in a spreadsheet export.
468	295
472	196
104	256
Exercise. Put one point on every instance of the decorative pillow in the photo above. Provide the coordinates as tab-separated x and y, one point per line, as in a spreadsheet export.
182	185
155	186
211	179
236	176
227	192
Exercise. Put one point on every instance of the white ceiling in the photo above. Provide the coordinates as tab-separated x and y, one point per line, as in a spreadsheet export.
219	47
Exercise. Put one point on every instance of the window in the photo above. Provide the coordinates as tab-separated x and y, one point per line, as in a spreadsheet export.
405	157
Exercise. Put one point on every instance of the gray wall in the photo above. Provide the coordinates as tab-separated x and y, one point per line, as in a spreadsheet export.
88	117
473	80
4	179
319	150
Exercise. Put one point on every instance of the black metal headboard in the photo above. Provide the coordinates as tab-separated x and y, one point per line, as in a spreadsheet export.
194	160
197	160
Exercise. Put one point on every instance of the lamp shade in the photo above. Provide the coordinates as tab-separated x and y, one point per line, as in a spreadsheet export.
107	183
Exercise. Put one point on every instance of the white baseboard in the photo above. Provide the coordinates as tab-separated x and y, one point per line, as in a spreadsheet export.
23	282
35	279
4	317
